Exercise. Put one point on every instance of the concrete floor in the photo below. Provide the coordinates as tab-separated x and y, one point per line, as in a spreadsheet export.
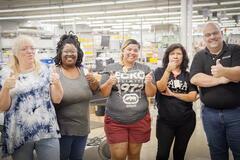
197	148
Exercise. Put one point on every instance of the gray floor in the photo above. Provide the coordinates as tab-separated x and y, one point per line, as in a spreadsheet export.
197	148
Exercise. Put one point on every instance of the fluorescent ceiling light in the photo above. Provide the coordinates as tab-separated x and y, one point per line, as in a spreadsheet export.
225	9
179	6
173	18
119	27
197	16
119	30
230	2
222	19
52	15
233	13
131	10
28	9
198	20
87	5
158	14
109	24
135	27
94	22
228	24
72	23
168	7
135	16
151	22
128	20
70	6
57	20
101	29
130	1
153	19
162	22
112	17
205	4
228	21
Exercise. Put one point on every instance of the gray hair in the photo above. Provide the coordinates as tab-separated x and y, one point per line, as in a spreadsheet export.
213	24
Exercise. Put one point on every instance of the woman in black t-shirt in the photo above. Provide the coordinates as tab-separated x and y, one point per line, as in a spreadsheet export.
176	118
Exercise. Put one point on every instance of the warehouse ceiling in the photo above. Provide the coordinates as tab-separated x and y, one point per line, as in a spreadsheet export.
90	12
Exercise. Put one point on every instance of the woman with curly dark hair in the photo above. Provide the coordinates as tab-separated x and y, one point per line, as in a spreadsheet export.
176	118
73	111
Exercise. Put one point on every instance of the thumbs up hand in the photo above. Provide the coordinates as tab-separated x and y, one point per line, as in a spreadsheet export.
218	69
112	80
148	78
10	82
89	75
54	78
92	81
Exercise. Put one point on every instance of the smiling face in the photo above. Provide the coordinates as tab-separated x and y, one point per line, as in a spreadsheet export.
69	55
213	37
176	56
130	53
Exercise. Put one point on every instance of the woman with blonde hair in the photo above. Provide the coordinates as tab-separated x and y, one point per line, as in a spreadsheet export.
28	90
127	119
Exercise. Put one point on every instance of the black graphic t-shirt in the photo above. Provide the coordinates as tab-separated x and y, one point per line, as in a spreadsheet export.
171	109
127	102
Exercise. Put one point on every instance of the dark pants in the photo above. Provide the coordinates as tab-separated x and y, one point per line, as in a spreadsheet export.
72	147
222	128
166	133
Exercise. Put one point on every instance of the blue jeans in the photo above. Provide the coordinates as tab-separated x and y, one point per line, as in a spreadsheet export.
45	149
222	128
72	147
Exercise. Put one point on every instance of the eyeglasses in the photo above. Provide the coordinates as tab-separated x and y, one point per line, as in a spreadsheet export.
207	35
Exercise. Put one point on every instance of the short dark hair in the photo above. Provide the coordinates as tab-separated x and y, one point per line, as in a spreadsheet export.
68	39
184	64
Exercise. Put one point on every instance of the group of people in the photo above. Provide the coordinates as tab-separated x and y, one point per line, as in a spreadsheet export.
47	108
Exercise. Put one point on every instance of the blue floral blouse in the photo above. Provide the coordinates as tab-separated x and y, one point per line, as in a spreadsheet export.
31	116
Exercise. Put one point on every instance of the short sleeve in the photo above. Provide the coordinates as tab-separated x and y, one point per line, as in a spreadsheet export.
197	65
5	72
191	87
236	56
158	73
105	75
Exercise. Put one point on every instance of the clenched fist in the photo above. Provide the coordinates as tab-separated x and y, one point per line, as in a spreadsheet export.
171	66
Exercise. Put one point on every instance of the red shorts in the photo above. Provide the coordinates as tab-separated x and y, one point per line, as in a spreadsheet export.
138	132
